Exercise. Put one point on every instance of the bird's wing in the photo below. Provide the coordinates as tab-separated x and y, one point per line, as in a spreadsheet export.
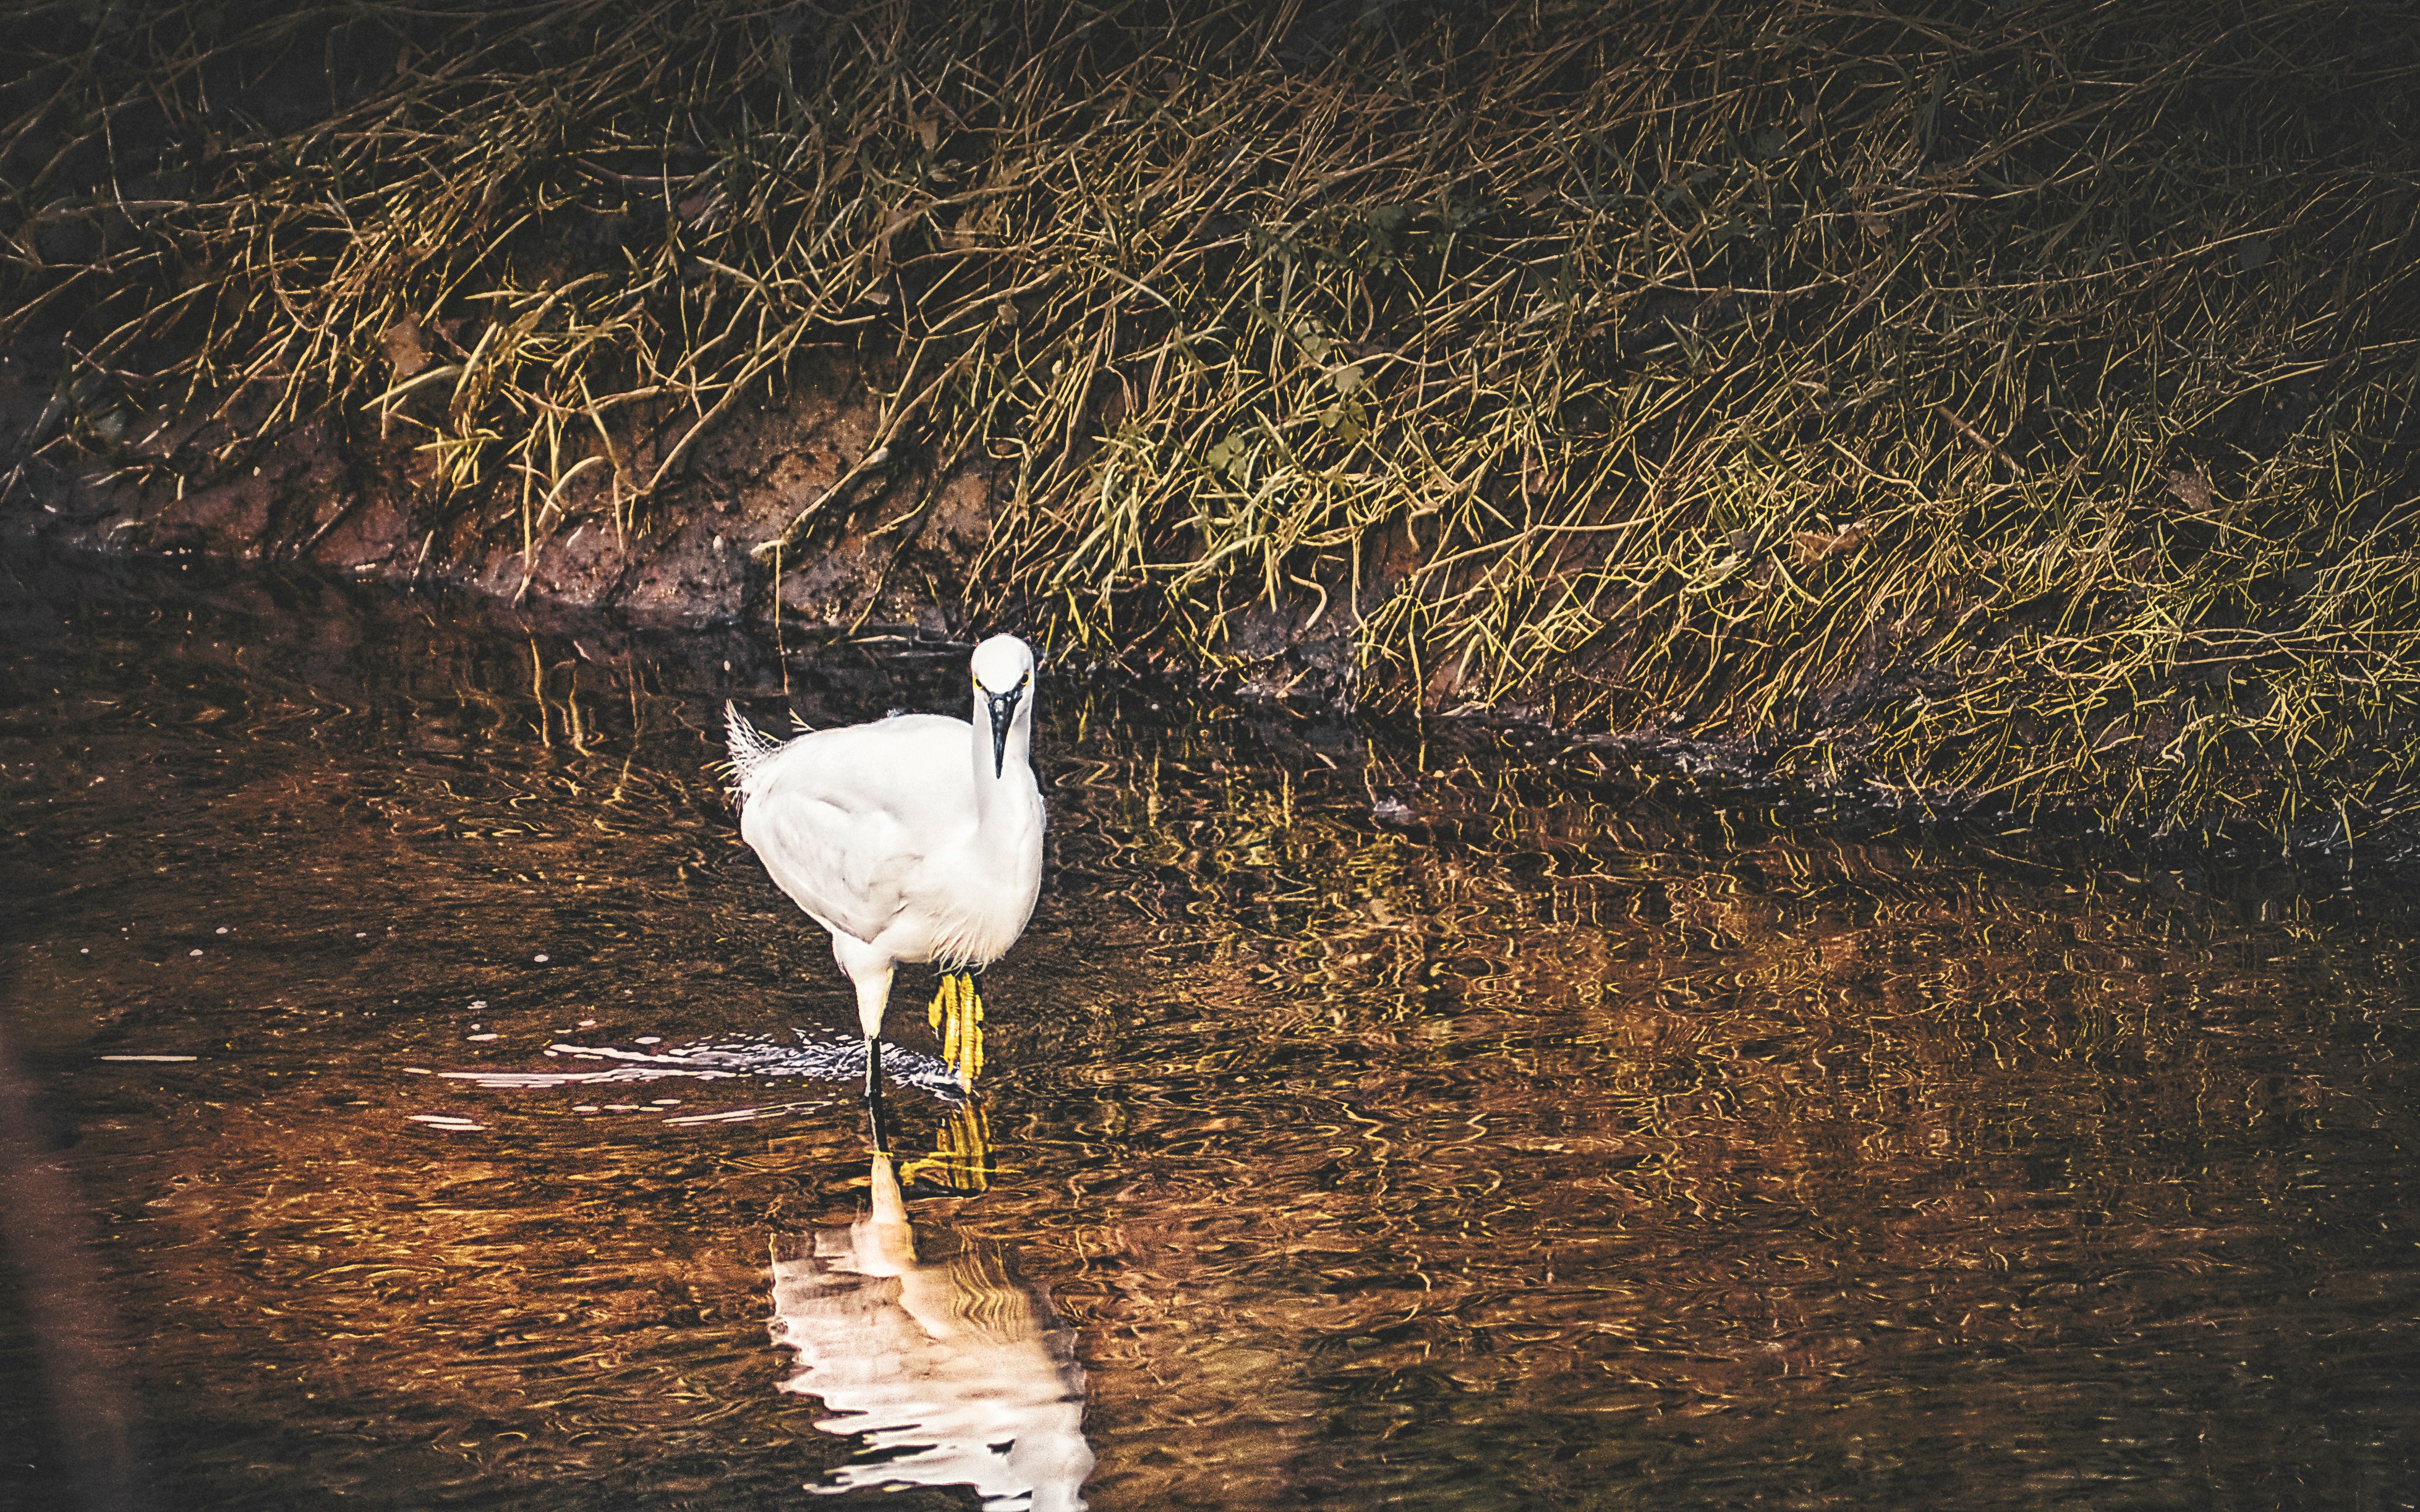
845	821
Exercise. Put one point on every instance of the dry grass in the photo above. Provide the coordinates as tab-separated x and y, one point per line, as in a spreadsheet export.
2011	404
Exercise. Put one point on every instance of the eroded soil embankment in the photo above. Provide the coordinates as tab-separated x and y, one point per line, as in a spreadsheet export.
894	550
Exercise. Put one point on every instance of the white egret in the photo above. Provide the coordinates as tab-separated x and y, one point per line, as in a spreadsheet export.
916	838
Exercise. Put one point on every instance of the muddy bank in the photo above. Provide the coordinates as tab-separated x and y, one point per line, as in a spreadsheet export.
312	529
893	552
798	512
332	493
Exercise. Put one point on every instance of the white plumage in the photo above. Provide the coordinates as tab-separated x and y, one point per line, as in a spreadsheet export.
917	838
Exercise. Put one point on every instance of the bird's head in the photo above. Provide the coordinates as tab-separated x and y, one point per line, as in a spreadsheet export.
1004	671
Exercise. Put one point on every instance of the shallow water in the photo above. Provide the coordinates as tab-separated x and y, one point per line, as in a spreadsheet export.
1564	1143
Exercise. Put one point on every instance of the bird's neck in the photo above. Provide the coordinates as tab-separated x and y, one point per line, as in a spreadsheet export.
1004	798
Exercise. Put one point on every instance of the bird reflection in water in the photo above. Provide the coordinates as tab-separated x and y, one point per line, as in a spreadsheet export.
954	1372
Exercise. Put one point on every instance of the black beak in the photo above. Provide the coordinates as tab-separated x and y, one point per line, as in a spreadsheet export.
1003	711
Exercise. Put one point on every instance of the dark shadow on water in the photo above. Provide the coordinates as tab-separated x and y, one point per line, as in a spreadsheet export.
85	1454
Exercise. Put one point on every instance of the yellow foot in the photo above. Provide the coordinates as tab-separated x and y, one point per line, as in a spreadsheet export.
962	1159
956	1017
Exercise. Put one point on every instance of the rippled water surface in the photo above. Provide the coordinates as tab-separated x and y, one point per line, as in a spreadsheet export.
415	1096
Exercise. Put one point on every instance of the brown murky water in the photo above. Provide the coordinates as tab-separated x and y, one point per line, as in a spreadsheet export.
1563	1146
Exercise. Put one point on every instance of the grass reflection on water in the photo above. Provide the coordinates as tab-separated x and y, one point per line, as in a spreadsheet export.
1569	1149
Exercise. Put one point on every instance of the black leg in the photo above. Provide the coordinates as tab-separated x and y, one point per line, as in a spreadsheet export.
878	1128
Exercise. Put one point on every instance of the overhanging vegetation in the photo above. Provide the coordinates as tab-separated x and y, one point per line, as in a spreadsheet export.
1995	404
